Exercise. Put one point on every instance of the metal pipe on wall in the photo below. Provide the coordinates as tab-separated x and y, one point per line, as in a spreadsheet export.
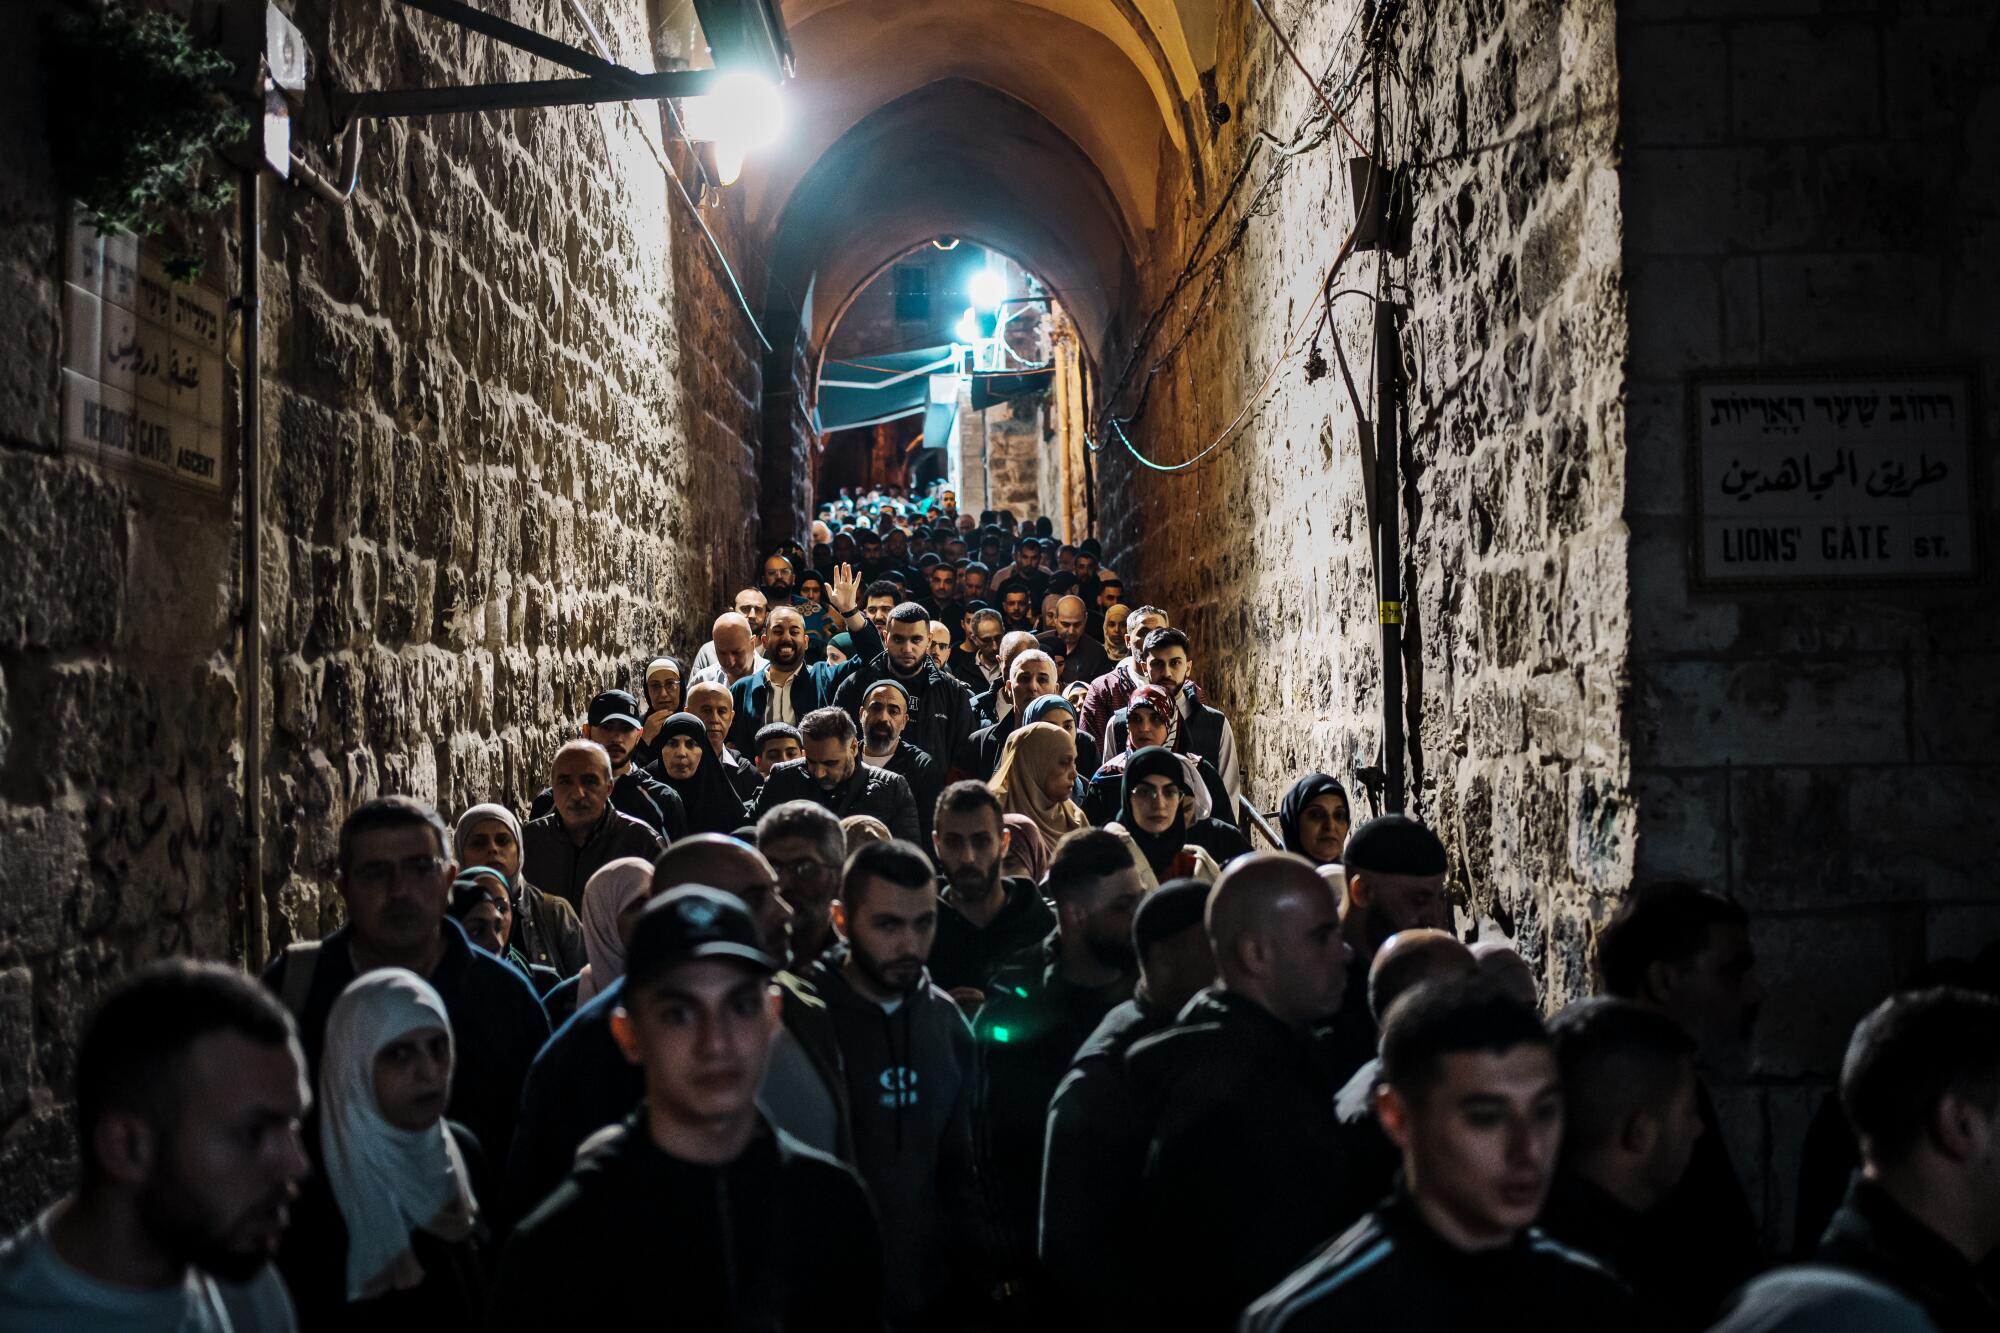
1389	562
256	930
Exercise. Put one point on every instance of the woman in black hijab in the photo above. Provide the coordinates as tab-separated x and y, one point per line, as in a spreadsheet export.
1313	818
1155	811
689	766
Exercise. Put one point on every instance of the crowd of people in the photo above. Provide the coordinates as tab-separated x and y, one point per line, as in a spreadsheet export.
902	959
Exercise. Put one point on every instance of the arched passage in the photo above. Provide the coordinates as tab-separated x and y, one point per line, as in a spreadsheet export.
954	158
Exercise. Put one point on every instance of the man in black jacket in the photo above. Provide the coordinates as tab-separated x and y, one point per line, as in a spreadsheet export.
582	833
1041	1006
1921	1088
885	715
1084	658
614	722
1283	967
1685	952
1472	1099
1629	1130
984	919
833	775
1090	1238
697	1204
395	878
941	713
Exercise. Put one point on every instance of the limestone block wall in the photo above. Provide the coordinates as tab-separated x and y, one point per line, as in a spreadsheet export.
510	416
1505	118
1811	194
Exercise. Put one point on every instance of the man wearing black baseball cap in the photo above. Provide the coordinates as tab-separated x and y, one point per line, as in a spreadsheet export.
617	721
698	1209
1395	882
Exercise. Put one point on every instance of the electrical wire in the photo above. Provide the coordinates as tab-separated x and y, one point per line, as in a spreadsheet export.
1292	53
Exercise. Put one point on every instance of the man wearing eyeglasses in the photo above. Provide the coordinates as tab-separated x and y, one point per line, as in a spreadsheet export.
395	878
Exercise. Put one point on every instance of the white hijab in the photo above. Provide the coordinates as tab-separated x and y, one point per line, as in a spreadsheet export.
386	1181
606	895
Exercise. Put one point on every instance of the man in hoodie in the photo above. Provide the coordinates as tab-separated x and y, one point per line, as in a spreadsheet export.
1223	1240
908	1057
697	1200
1091	1223
941	712
1041	1006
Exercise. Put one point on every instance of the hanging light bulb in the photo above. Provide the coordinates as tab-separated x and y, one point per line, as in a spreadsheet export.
741	114
987	290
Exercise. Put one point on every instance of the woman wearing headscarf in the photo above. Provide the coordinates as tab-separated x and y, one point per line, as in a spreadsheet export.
689	765
613	897
545	931
663	687
1161	820
1057	709
1027	853
480	903
387	1232
1036	777
1313	818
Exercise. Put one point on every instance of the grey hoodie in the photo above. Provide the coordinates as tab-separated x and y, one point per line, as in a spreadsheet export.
909	1084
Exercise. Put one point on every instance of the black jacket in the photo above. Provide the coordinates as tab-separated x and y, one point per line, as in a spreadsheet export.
963	954
638	794
554	864
1391	1271
868	791
1580	1215
497	1024
926	778
1030	1028
1085	662
1091	1236
941	712
1874	1235
781	1240
1221	1244
1705	1231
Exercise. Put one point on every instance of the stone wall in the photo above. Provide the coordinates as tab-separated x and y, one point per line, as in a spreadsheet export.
1504	116
498	380
1811	194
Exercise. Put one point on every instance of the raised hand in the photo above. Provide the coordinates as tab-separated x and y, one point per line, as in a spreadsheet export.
845	594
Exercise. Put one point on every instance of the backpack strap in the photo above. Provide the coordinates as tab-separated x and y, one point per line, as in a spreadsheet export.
301	963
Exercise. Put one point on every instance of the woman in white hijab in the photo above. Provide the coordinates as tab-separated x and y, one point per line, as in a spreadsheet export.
612	899
389	1228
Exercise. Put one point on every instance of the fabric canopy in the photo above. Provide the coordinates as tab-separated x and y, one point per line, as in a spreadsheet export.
870	390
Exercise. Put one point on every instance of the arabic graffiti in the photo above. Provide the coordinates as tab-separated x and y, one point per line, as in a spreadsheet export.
1888	479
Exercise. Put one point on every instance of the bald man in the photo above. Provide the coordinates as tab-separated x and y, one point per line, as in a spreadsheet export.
1240	1185
1405	961
732	652
581	1082
1084	658
1031	673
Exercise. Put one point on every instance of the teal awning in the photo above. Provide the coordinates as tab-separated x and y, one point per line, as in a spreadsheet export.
867	391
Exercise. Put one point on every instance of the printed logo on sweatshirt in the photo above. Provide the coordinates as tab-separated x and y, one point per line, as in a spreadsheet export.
899	1086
